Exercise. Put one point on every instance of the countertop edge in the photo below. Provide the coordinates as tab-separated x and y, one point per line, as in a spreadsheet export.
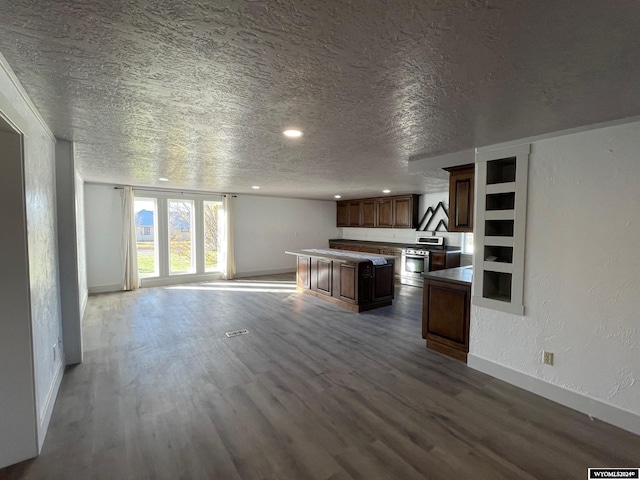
459	275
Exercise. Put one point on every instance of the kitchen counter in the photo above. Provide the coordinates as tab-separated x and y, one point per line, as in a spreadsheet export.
459	275
393	244
340	255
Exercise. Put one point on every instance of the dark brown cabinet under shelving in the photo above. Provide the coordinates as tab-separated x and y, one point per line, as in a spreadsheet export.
461	186
445	317
400	211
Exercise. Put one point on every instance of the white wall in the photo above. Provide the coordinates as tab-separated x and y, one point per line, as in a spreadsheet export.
43	279
70	296
103	234
264	227
582	287
82	250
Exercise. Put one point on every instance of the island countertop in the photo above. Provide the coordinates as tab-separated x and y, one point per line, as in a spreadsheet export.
460	275
339	255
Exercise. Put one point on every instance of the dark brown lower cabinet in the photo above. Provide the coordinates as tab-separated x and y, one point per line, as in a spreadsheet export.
356	285
445	317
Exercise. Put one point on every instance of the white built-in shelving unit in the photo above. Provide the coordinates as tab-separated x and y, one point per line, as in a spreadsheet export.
501	208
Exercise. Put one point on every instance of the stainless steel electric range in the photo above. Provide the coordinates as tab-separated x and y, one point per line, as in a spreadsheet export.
415	259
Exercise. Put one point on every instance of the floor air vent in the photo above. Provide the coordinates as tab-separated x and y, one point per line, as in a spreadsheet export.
235	333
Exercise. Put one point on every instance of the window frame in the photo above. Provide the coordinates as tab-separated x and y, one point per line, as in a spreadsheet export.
165	277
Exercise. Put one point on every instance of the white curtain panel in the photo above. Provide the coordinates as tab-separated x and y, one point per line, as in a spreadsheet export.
130	254
229	261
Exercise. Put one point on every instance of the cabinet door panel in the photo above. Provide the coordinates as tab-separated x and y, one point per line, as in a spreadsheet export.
304	269
355	209
461	199
369	213
385	212
323	278
447	314
342	214
348	282
402	208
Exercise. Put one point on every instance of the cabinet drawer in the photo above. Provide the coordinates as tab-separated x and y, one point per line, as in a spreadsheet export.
370	250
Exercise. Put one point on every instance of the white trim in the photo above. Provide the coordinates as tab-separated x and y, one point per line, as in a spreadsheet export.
590	406
265	272
419	163
516	148
83	304
115	287
23	94
480	301
43	422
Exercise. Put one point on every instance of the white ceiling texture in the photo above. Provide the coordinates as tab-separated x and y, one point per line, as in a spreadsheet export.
200	92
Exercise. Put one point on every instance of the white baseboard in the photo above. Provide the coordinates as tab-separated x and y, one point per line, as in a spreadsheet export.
43	421
590	406
116	287
265	272
179	279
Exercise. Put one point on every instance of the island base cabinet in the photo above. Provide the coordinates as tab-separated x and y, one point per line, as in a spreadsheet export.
445	317
357	286
303	273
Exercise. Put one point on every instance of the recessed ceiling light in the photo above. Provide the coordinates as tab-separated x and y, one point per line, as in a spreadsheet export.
162	179
386	191
337	196
292	133
256	187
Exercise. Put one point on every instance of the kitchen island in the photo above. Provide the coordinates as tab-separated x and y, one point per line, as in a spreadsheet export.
356	281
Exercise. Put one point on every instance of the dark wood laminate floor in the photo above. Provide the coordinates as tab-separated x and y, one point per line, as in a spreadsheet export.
312	392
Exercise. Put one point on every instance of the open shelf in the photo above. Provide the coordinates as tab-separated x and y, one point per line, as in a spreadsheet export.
501	188
501	171
497	286
498	228
501	201
501	254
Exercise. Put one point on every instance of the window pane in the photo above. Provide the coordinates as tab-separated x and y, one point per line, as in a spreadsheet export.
146	236
211	236
181	246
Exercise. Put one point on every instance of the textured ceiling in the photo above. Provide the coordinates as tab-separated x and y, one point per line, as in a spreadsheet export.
200	92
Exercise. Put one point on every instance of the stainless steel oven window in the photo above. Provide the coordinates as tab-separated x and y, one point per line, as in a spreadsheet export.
415	264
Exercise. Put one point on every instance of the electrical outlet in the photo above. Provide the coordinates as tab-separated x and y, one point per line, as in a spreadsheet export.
547	357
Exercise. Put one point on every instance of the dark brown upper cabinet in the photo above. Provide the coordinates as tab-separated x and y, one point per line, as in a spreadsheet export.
342	214
355	213
385	212
461	185
369	212
400	211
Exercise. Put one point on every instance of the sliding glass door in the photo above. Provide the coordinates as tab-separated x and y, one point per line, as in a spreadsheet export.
146	213
178	237
181	241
